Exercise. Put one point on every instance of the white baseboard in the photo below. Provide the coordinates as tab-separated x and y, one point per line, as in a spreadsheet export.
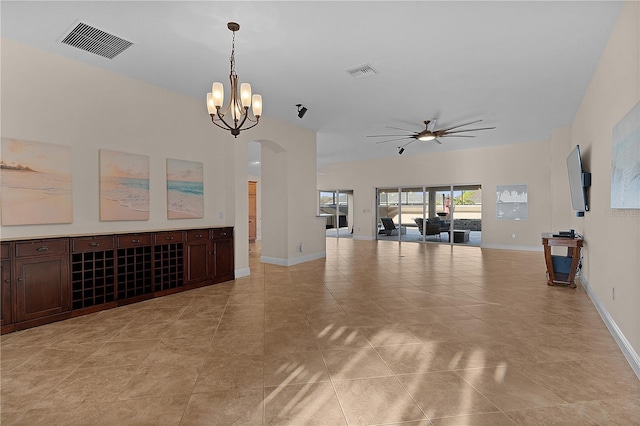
363	238
294	261
244	272
512	247
627	350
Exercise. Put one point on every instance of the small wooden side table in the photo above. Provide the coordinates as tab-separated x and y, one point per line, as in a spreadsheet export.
573	245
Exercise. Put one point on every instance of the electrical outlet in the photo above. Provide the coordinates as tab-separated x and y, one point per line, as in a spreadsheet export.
513	236
301	247
220	215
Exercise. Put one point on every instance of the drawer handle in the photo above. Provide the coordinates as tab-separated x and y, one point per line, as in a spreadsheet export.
7	281
135	241
43	248
198	235
19	279
224	234
94	244
169	238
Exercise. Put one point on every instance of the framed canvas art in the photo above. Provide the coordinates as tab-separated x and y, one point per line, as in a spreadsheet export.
124	186
36	183
625	162
512	202
185	189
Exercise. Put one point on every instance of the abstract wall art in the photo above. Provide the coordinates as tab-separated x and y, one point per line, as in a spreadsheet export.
512	202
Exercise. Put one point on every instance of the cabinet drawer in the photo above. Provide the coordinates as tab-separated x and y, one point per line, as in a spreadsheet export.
91	244
221	232
133	240
197	234
169	237
42	247
4	251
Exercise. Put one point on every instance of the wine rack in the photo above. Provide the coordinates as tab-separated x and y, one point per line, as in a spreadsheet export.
168	266
92	279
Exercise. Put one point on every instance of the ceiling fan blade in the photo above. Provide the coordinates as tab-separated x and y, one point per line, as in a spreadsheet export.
431	124
469	130
459	125
382	136
449	135
438	142
393	140
399	128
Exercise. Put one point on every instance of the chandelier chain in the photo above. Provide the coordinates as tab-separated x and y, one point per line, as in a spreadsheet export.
233	54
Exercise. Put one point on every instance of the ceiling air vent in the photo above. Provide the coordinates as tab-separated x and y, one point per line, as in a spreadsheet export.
362	71
96	41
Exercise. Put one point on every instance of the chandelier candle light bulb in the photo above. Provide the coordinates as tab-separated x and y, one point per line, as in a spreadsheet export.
239	102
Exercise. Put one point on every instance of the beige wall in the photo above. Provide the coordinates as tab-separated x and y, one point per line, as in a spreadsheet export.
288	196
51	99
612	237
489	167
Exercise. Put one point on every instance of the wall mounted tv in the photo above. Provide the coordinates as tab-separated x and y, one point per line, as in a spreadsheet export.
579	181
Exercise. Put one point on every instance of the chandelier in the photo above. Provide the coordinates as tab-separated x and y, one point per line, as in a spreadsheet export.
236	113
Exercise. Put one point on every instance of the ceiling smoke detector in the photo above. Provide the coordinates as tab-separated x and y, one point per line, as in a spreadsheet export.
362	71
93	40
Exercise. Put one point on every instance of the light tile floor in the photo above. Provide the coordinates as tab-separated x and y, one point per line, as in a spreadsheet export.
379	333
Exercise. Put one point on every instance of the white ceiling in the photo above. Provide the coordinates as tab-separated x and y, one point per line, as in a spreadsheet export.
520	66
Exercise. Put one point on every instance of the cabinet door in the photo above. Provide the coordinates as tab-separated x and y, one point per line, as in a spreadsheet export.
198	250
223	259
42	286
5	292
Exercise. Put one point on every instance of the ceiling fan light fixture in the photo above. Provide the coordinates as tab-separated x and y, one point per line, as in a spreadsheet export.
430	133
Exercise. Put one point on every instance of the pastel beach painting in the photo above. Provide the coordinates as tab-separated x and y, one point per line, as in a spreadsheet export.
124	186
185	189
35	180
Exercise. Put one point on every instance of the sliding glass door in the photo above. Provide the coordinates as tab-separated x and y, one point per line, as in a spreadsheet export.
467	214
442	214
412	208
334	205
388	213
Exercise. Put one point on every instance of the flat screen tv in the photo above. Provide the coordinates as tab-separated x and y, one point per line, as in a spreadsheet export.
579	181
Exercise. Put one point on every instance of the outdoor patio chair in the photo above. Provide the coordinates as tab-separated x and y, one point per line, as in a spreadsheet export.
390	227
428	228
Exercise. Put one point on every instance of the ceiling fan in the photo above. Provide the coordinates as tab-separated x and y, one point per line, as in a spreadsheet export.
429	133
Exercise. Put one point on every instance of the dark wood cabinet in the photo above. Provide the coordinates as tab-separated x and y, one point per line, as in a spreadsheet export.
46	280
210	256
198	257
6	304
222	255
42	283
